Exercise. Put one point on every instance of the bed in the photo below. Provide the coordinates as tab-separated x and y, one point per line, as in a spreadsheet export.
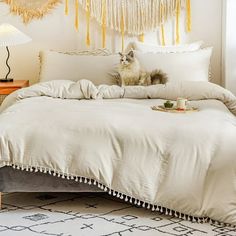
161	161
108	138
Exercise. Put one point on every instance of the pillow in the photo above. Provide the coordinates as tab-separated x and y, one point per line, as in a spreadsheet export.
64	66
191	66
145	47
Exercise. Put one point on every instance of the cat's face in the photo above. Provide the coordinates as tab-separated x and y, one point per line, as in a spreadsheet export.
126	59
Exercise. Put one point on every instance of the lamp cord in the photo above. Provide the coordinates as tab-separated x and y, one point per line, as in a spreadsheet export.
9	68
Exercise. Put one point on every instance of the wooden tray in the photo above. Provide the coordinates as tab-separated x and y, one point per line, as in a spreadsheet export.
174	109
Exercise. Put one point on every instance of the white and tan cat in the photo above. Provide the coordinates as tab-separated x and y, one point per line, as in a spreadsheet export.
130	73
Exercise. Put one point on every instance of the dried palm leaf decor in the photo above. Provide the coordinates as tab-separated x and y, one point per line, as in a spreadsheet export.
128	17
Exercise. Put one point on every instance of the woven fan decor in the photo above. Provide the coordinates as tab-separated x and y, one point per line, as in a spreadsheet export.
31	9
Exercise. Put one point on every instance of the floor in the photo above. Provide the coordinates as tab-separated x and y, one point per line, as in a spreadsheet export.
86	214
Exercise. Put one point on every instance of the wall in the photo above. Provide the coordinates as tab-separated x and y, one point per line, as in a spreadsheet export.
229	45
56	32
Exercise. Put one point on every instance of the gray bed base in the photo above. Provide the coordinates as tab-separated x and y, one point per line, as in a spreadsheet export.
12	180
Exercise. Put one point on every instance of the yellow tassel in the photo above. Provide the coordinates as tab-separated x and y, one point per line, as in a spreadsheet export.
88	22
189	16
104	23
163	41
162	29
66	7
122	26
77	15
141	37
177	39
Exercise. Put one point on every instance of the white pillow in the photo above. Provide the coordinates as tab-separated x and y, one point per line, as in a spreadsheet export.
191	66
61	66
145	47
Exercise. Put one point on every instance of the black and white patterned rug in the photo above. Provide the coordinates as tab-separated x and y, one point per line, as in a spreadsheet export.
65	214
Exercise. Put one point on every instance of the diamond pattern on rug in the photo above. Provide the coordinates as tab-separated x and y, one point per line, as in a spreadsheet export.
91	214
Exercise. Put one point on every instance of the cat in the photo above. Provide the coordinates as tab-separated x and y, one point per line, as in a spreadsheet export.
129	69
129	72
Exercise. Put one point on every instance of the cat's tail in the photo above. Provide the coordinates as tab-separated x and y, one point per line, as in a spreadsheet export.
158	77
116	78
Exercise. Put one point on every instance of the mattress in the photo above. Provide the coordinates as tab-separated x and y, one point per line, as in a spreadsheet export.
21	181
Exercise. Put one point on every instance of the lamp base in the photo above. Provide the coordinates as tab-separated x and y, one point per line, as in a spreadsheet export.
6	80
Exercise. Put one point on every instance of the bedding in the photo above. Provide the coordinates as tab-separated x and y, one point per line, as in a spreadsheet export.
154	48
178	66
182	164
95	66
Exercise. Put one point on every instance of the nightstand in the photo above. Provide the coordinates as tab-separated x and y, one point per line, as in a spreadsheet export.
9	87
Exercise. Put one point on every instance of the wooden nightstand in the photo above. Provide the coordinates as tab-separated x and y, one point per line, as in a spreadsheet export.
9	87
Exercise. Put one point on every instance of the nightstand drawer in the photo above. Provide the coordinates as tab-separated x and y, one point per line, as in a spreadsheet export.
6	91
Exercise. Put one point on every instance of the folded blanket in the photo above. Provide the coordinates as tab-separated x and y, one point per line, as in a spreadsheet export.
182	164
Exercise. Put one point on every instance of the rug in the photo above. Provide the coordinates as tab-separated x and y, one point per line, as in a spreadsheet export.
90	214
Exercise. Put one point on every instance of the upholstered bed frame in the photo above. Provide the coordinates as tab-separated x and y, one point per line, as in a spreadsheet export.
12	180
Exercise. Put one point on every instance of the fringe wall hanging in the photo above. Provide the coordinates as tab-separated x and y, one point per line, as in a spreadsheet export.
31	9
135	18
128	17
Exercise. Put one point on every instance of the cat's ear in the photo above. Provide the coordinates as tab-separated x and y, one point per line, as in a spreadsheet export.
131	53
121	54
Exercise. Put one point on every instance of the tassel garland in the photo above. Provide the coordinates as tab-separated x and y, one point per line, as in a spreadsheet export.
128	17
163	41
177	38
141	37
188	20
104	3
88	22
66	7
162	20
122	26
77	15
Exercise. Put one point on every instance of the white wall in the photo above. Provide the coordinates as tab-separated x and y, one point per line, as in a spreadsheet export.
56	31
229	45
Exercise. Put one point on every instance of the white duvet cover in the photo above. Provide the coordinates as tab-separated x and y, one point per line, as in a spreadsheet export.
177	163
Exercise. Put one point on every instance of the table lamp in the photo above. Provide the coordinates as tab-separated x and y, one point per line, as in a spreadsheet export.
10	36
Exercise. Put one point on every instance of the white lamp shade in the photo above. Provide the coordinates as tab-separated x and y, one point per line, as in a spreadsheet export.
9	36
